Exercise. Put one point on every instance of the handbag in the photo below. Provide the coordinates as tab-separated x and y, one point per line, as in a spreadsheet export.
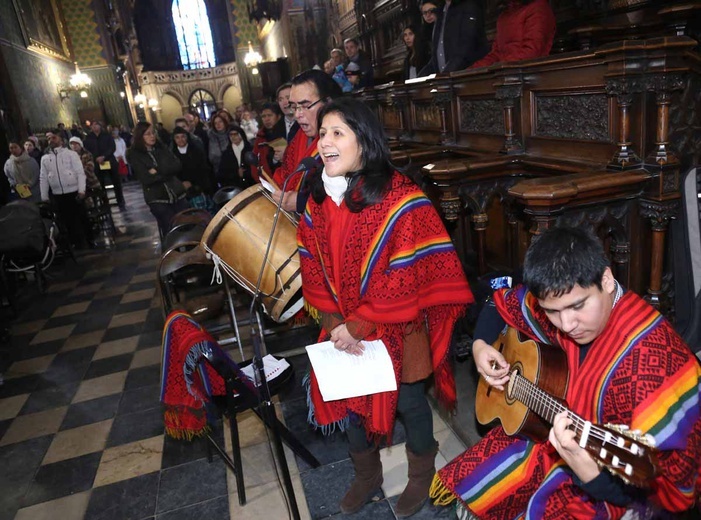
122	168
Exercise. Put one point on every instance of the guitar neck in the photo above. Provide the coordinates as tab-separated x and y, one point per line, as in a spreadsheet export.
542	403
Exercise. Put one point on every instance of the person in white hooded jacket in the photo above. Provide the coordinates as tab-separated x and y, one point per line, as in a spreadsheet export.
62	174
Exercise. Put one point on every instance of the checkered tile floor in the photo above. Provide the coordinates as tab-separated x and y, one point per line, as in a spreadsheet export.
81	428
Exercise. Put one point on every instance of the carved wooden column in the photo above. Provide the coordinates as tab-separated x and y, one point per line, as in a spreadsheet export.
442	99
508	94
624	89
659	213
620	257
663	85
399	101
477	197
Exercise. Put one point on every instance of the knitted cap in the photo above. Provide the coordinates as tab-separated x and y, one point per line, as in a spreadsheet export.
75	139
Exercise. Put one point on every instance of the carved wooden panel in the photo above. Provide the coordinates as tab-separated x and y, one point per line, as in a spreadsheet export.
580	116
481	116
390	116
685	122
427	116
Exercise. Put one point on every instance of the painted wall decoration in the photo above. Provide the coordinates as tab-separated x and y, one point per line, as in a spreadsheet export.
42	27
34	79
82	27
244	29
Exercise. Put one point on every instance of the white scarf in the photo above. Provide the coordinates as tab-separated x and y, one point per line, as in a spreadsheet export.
237	148
335	187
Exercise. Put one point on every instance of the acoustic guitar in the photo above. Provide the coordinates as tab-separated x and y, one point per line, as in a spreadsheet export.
535	393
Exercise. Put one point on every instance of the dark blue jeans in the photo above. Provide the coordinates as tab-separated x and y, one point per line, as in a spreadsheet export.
165	212
414	412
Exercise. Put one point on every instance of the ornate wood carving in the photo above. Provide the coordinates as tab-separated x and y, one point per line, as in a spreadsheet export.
391	116
481	116
477	197
580	116
685	121
624	89
509	96
663	85
442	100
427	116
612	220
659	213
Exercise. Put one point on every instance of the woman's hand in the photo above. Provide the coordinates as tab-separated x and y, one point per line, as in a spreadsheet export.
153	171
289	199
490	364
562	437
342	340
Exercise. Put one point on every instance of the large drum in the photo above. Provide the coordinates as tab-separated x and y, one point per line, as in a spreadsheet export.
237	237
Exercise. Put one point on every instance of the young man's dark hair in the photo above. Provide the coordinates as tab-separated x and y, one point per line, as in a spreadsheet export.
561	258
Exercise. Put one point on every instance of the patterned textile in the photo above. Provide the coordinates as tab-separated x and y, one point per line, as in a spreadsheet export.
399	269
638	372
186	382
297	150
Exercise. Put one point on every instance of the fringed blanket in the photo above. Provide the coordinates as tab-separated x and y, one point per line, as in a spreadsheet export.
638	372
396	268
187	380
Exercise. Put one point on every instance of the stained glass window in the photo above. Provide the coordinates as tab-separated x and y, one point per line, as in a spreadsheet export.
194	35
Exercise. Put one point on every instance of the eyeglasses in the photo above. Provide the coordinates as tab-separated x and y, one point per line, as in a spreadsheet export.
302	107
433	10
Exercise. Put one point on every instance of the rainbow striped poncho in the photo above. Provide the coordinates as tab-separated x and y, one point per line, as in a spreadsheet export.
638	372
395	267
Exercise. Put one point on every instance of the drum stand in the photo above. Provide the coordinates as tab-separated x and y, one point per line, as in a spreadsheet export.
267	410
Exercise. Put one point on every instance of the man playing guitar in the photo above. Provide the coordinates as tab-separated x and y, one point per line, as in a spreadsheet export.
626	366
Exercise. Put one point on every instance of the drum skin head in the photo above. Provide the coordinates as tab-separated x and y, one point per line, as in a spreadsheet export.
238	234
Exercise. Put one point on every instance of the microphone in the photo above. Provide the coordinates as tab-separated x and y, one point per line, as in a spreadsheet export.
307	164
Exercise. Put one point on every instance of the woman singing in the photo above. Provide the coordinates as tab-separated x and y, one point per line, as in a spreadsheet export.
377	263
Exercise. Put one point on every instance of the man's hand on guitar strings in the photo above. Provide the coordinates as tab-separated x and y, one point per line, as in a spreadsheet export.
563	438
490	364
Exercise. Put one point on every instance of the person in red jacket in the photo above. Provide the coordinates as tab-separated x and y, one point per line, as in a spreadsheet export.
525	30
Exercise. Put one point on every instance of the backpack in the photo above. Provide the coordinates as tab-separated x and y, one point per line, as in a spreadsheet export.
22	229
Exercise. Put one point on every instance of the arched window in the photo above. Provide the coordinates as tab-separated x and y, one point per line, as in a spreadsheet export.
203	102
194	34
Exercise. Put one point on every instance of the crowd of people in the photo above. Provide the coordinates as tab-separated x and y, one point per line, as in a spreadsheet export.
452	37
378	263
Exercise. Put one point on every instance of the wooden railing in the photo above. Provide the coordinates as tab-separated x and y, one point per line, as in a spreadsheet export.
595	138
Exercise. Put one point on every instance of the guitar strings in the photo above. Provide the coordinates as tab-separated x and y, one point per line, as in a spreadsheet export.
541	402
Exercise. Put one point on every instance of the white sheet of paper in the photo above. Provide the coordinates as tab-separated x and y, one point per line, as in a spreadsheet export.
267	185
419	79
342	375
273	367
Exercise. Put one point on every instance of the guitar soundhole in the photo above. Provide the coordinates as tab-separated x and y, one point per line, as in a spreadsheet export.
516	370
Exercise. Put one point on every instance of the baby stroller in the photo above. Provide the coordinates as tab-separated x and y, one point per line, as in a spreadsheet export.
28	244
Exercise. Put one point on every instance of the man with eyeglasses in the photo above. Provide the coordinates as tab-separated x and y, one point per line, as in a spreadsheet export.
310	90
459	39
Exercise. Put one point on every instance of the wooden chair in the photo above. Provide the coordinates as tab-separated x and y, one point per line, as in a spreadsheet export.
192	216
184	277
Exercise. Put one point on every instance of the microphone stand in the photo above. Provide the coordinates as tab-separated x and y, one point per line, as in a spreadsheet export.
267	408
